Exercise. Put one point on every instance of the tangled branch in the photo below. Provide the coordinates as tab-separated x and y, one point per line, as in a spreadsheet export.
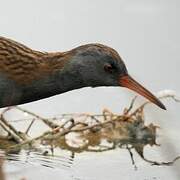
118	130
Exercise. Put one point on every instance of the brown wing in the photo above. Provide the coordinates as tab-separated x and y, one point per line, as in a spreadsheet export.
24	65
19	62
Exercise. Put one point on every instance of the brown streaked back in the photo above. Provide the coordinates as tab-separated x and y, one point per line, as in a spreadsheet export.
23	64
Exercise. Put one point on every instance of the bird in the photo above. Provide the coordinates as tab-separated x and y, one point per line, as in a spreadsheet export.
28	75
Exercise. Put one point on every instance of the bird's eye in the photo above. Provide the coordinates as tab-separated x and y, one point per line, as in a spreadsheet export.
108	68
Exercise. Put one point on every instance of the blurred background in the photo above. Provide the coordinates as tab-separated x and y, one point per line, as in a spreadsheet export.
145	33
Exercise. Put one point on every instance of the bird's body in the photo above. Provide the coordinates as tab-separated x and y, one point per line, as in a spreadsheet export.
27	75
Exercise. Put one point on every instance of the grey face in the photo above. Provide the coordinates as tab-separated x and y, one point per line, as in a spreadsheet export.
98	66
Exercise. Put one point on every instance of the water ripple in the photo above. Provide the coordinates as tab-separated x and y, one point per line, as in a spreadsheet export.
38	158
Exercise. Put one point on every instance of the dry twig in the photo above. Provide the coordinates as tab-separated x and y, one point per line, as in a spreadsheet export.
118	130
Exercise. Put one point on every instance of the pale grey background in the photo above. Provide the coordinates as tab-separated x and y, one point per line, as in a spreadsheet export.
145	33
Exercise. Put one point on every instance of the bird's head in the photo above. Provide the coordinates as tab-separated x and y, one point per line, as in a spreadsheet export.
99	65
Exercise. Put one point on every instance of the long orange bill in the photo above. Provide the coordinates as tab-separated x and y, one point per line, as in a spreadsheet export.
128	82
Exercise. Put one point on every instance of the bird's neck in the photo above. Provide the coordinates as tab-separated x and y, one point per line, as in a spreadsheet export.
60	78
